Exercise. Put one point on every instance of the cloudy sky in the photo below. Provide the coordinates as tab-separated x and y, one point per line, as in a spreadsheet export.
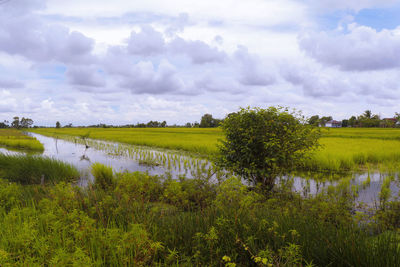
125	61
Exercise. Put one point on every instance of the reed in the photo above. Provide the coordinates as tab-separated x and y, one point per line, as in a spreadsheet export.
35	169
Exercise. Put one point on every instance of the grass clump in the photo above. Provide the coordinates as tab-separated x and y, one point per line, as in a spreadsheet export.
16	139
35	169
103	176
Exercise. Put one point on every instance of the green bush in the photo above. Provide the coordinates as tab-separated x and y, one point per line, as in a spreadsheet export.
261	144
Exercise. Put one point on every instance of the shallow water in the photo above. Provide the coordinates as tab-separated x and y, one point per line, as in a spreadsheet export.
82	157
8	152
367	193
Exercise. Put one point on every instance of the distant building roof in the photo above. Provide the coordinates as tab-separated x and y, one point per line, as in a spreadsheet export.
334	122
390	119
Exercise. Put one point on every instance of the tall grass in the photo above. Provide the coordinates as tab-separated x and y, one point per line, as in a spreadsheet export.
16	139
35	169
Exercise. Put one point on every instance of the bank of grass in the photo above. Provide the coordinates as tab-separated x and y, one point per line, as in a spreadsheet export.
344	149
133	219
35	169
15	139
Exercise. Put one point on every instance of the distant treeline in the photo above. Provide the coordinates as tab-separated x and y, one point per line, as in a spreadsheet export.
366	119
17	123
207	121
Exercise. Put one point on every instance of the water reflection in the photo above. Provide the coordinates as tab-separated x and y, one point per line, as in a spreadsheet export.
366	186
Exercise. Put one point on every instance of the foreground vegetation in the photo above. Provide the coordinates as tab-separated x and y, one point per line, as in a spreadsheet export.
341	150
133	219
12	138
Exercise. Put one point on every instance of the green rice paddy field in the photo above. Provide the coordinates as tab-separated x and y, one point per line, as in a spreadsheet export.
341	149
15	139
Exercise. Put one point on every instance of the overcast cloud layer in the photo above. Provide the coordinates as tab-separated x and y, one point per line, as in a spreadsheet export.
119	62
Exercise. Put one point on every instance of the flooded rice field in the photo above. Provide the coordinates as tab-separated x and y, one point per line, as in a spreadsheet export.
82	153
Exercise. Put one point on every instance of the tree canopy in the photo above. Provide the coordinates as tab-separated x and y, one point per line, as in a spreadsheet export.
261	144
207	121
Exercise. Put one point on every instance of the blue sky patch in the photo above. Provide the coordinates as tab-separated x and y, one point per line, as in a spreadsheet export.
383	18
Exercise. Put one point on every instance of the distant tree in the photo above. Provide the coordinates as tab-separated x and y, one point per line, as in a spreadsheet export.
58	124
140	125
353	121
260	144
206	121
324	120
345	123
25	122
367	114
367	119
163	124
15	122
217	122
387	123
313	120
4	124
150	124
69	125
188	125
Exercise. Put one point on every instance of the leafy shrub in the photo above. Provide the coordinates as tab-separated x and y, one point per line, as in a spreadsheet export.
260	143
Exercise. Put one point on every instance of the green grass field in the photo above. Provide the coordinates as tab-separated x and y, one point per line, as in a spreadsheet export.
341	149
12	138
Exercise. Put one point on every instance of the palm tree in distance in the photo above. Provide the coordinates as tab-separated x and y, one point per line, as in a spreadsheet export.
367	114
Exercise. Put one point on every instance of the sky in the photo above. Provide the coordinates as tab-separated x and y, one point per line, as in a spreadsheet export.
123	62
